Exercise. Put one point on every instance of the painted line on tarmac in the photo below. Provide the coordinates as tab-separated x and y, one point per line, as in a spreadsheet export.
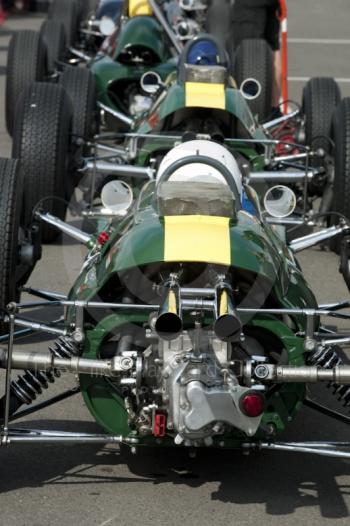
331	41
305	79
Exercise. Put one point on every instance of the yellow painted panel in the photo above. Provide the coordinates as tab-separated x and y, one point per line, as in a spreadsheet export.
139	8
197	238
203	95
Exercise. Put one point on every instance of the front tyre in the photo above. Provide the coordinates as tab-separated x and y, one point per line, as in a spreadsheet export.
253	59
26	63
42	143
321	96
341	189
11	184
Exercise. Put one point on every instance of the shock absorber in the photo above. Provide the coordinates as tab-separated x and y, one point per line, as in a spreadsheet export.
327	358
26	388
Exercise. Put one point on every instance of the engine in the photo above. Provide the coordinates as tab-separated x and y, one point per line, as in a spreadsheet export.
187	383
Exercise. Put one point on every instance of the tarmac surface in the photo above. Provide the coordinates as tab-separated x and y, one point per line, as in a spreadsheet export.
103	486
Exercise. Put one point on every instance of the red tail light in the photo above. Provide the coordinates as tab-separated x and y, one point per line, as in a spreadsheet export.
252	404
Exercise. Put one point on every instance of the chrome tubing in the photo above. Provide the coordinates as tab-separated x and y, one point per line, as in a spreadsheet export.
163	22
62	439
331	452
80	54
279	177
127	170
227	325
280	120
168	324
46	361
303	374
70	230
310	240
40	327
117	114
295	157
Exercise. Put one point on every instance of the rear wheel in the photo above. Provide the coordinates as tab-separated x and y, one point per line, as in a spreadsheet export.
42	143
79	85
341	137
54	37
218	21
253	59
66	12
26	63
321	96
11	184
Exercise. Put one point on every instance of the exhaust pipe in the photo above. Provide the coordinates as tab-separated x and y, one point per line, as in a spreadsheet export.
168	324
227	326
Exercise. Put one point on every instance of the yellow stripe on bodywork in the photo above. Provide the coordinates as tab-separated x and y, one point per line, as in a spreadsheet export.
197	238
202	95
139	8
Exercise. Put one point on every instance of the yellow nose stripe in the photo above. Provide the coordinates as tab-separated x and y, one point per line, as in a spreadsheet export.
139	8
203	95
197	238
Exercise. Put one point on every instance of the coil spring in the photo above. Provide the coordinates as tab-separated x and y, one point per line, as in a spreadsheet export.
32	383
327	358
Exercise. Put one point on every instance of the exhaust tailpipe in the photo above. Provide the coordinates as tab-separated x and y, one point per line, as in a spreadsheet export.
168	324
227	326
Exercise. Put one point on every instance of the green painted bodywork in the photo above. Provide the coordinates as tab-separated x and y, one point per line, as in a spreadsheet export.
138	241
142	31
109	71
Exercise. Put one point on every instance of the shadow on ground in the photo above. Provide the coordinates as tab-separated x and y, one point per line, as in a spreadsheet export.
298	481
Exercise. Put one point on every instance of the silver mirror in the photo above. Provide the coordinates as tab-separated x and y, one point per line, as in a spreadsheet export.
107	26
280	201
151	82
117	196
250	89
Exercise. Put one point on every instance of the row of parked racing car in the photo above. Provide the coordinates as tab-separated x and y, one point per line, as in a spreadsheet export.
190	322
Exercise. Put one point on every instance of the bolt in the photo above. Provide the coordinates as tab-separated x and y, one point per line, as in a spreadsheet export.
12	307
261	372
78	336
126	363
309	344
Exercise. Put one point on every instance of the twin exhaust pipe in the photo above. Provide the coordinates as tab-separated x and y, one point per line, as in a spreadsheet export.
169	322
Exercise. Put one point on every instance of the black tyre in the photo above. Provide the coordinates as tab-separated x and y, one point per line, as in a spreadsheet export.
341	191
218	21
321	96
79	84
87	8
11	184
26	63
66	12
41	141
254	59
54	37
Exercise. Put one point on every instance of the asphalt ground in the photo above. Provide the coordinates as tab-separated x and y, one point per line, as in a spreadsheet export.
88	485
